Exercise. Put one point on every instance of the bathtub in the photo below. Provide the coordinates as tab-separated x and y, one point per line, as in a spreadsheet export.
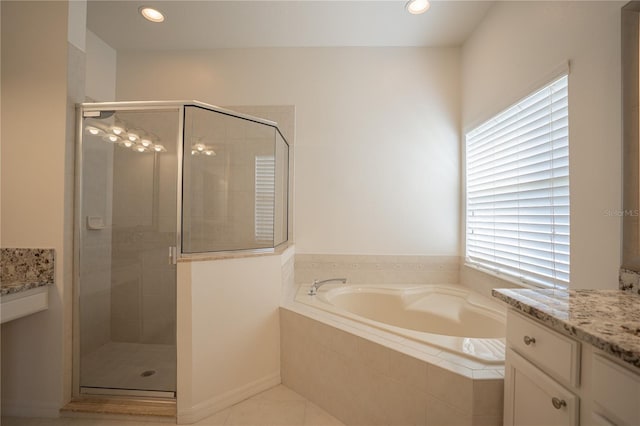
449	317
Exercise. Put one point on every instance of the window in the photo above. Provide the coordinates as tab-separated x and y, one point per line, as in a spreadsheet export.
265	197
517	190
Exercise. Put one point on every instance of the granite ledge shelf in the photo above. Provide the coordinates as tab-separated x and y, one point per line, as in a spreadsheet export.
24	280
606	319
19	287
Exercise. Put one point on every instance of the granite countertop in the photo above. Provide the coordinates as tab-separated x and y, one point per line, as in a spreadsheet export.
607	319
23	269
19	286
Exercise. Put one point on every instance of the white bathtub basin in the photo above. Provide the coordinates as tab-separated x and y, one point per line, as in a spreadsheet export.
450	317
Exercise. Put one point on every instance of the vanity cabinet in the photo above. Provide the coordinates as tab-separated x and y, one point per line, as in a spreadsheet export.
615	394
551	379
541	374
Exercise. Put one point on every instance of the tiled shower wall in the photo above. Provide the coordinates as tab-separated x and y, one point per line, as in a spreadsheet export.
143	301
285	116
143	304
95	250
141	286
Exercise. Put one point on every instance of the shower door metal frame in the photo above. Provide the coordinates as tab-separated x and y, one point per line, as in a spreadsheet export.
250	251
179	107
81	111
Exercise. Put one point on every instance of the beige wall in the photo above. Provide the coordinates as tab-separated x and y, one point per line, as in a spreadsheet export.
514	50
377	139
34	204
77	24
228	331
101	70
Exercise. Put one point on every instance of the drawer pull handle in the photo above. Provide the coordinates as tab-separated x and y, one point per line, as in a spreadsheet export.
529	340
558	403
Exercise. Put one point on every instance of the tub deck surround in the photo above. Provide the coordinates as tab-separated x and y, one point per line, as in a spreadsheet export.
25	269
364	376
606	319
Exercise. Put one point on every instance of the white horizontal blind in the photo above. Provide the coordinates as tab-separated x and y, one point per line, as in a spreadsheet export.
517	180
265	197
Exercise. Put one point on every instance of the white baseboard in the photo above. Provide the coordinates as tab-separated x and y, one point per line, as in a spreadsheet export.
30	409
220	402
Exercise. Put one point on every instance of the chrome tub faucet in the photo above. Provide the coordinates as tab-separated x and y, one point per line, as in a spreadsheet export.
318	283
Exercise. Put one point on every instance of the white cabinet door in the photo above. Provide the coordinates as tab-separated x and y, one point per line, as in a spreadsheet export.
534	399
616	392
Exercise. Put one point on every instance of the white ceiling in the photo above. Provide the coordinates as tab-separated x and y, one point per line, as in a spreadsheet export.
236	24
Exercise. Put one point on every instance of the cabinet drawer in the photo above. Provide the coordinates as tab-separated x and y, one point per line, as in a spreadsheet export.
556	354
616	391
533	398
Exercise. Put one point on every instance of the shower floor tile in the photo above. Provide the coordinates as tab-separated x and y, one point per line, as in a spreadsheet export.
139	366
276	406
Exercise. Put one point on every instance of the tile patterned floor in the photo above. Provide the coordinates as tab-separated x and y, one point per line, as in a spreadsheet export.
278	406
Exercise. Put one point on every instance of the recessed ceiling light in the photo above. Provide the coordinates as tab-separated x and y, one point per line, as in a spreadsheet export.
117	130
416	7
111	138
151	14
93	130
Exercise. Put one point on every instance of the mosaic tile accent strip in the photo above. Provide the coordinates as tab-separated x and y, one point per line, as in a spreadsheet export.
378	269
607	319
629	280
24	269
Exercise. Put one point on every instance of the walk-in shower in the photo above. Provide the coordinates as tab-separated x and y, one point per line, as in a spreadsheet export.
156	182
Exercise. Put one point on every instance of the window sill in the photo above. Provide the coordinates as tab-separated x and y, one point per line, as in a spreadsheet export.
509	281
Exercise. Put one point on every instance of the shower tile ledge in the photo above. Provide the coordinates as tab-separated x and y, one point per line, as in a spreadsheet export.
240	254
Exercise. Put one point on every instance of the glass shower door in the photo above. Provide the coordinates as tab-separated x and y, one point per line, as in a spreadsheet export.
127	276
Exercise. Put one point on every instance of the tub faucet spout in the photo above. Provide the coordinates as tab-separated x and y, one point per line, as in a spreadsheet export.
319	283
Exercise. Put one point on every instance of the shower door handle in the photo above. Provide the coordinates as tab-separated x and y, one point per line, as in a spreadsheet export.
173	255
